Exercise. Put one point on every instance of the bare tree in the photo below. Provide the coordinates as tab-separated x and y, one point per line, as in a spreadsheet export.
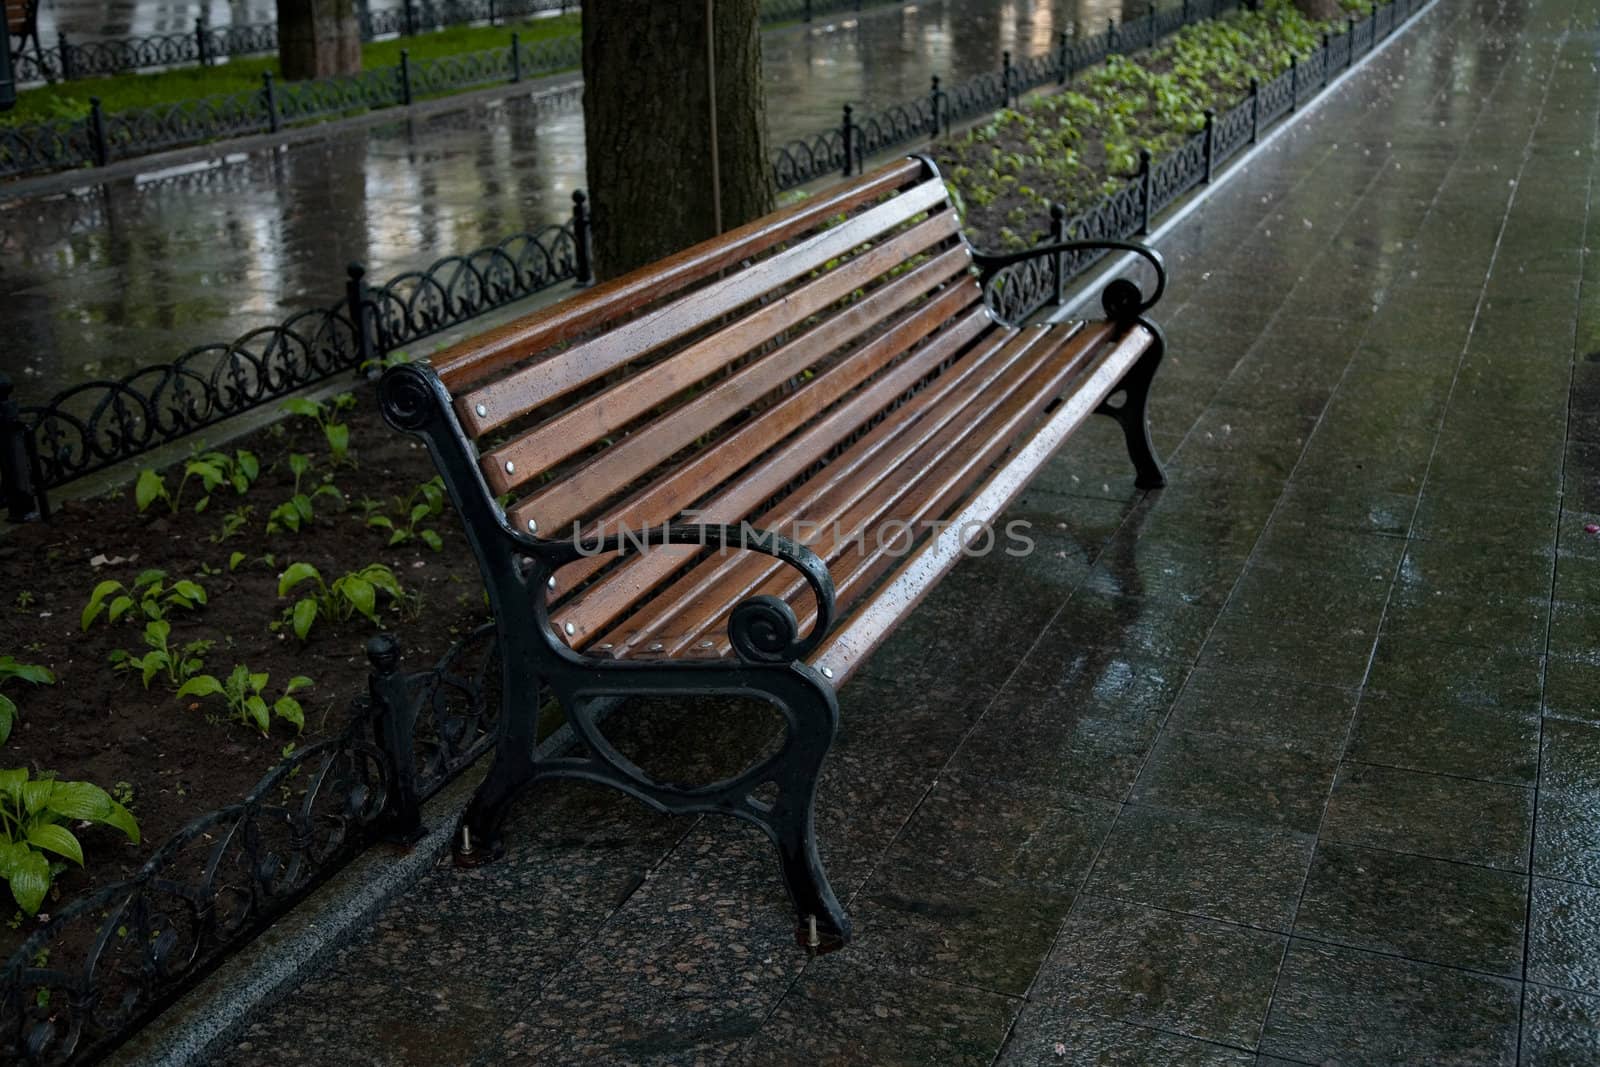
647	116
318	38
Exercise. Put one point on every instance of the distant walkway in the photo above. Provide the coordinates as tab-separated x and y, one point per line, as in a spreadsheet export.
1297	757
121	274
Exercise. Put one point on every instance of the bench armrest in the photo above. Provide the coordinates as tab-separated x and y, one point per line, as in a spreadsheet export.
763	628
1122	299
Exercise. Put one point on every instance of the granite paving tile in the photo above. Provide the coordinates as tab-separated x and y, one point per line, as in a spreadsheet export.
1432	815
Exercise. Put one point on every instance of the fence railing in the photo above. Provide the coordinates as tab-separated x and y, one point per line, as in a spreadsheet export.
107	963
207	44
102	137
98	424
1024	289
842	149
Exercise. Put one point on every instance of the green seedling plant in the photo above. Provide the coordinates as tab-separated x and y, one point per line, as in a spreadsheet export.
213	469
178	664
33	841
245	690
299	511
149	593
355	593
326	416
27	672
425	502
232	523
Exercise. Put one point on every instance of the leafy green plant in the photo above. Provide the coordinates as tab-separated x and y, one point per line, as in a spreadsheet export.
27	672
326	416
149	592
244	690
213	469
31	830
298	510
426	501
350	594
180	664
233	522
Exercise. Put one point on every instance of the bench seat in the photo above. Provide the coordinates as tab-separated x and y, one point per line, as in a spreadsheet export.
738	470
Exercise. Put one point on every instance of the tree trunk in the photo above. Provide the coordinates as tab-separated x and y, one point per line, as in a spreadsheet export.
1320	10
648	128
318	38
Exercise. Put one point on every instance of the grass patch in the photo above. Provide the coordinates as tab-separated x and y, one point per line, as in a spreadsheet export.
122	92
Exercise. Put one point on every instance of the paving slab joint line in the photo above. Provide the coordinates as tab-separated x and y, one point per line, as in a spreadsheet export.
1073	302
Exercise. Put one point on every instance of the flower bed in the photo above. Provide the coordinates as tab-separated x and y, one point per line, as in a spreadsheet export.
176	691
1074	146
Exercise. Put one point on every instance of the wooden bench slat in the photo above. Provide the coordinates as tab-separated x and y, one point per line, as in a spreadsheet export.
554	508
471	360
890	456
595	417
937	494
913	488
849	645
513	396
600	604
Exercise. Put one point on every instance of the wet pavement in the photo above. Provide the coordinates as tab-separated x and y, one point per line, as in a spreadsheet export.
103	279
1295	761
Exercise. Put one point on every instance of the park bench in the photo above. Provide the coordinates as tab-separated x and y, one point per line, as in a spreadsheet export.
22	23
823	408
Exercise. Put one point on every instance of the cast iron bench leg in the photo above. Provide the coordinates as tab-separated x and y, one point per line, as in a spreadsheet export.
1133	413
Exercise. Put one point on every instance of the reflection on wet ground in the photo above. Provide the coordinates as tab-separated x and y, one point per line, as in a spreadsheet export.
117	275
1294	761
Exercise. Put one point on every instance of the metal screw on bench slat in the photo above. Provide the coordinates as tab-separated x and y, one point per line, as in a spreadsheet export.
533	524
571	629
511	468
656	646
481	410
707	644
827	672
551	584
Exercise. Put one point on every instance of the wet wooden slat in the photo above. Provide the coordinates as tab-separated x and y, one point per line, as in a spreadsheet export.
465	363
599	416
556	507
508	398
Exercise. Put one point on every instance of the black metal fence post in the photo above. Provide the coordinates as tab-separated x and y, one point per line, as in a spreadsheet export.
1150	14
582	241
98	144
411	19
202	44
405	77
1061	58
1005	78
1144	190
934	96
20	486
1327	50
808	11
847	135
1350	36
1111	36
1255	109
516	58
394	717
1187	17
356	298
1211	142
269	96
1294	82
1058	233
67	71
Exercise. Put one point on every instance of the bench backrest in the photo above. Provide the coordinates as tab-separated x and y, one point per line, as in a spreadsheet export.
638	399
19	16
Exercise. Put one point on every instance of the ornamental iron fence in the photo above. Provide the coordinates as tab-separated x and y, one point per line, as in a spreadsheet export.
206	44
96	425
102	137
107	963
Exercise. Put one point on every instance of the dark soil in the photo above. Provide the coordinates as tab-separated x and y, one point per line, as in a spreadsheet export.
182	759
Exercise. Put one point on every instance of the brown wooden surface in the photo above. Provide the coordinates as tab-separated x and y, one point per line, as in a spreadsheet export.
16	17
466	363
598	416
518	393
